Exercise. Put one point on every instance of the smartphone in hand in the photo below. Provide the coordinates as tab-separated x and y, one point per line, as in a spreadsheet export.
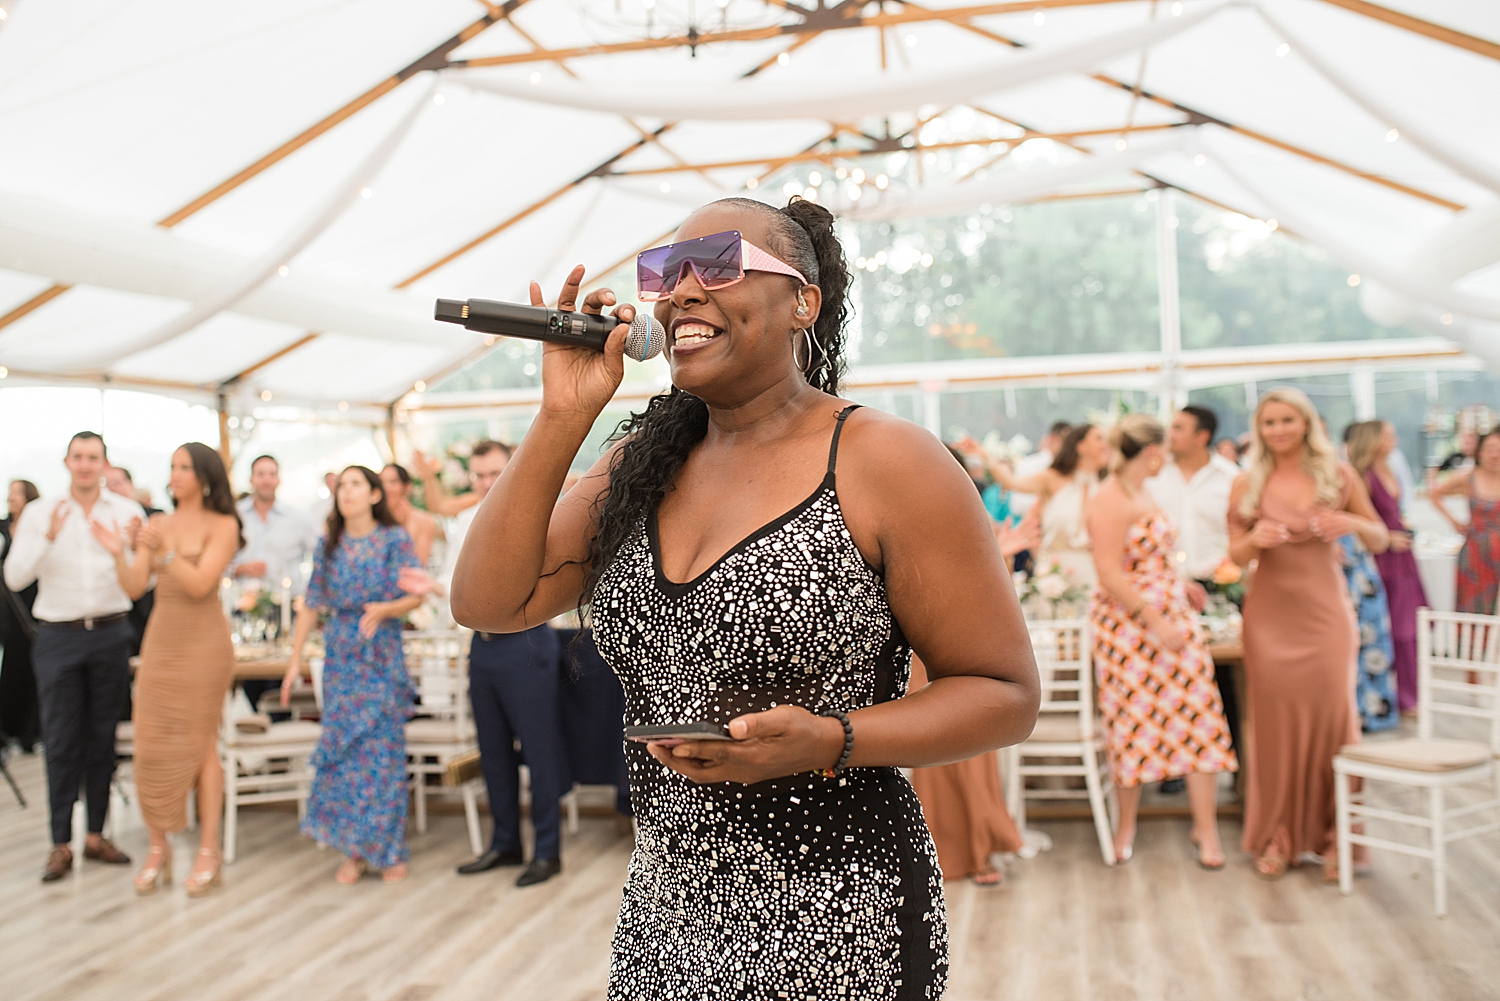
701	730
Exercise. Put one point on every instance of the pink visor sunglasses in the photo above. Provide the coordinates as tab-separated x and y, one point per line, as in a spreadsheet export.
718	260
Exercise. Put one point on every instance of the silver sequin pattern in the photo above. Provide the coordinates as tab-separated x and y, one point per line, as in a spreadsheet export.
806	887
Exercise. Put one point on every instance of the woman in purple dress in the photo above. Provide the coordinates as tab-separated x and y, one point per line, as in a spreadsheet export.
358	799
1370	443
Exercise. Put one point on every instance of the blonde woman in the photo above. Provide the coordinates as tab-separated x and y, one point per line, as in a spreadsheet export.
1162	710
1287	513
1064	491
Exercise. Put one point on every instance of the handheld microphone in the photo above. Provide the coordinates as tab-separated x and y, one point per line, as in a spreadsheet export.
646	339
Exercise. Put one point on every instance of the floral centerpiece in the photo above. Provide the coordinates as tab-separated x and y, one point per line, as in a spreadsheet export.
1228	579
1050	591
258	614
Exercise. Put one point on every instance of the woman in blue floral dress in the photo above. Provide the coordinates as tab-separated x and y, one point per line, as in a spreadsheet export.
359	796
1375	684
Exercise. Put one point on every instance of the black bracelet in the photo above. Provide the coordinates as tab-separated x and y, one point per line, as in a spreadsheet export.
843	718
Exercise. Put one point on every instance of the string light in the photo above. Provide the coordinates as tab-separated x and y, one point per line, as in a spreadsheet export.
1353	281
366	193
421	386
665	187
1447	318
881	181
784	58
815	178
1121	144
1392	135
343	405
1199	160
265	395
1283	49
1039	19
283	271
437	99
4	372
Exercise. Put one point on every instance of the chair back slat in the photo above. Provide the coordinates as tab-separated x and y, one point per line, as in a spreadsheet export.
438	662
1064	658
1458	670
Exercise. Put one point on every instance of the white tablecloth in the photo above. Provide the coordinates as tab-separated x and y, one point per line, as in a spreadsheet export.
1438	572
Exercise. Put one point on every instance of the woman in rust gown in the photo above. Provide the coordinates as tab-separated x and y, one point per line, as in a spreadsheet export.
1287	512
187	662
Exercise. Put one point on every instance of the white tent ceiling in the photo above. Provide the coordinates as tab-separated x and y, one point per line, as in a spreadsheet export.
156	156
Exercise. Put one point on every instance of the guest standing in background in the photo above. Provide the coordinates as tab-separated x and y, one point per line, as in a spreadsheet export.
1193	491
515	691
1064	491
1228	450
187	662
278	540
1398	469
1375	684
1478	581
82	650
1037	462
20	716
1371	443
119	480
1162	711
423	528
437	499
1287	513
359	796
1464	456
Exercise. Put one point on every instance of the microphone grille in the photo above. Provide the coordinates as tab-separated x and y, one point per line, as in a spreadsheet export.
647	337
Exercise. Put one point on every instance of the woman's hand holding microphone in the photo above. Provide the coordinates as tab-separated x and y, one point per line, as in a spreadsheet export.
577	381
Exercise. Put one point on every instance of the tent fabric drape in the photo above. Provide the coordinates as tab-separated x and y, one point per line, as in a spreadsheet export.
843	101
1458	161
307	230
1016	185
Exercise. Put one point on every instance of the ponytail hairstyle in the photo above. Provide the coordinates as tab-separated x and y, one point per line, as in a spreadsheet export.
656	441
1131	436
1067	453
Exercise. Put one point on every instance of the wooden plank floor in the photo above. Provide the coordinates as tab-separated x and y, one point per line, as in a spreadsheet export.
1063	927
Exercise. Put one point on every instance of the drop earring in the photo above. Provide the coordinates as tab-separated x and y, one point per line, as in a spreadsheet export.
807	339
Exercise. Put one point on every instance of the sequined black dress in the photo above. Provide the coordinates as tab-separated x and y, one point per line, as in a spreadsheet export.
802	887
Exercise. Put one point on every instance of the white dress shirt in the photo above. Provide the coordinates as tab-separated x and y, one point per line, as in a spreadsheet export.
456	536
1199	507
75	575
283	539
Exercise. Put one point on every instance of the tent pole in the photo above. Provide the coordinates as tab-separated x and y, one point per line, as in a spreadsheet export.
1168	305
224	449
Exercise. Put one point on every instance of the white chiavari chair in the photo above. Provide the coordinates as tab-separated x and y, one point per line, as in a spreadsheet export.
1458	676
443	732
1067	742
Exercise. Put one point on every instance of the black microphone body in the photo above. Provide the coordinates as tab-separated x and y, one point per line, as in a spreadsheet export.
536	323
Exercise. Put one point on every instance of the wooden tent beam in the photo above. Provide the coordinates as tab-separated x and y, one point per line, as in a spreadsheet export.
822	19
1479	46
35	302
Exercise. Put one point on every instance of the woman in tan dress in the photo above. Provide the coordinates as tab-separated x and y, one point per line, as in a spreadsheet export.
1287	512
187	662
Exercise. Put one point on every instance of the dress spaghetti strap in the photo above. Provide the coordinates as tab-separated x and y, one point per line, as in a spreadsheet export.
838	429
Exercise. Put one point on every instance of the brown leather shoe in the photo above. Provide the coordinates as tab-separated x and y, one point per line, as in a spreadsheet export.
58	864
105	851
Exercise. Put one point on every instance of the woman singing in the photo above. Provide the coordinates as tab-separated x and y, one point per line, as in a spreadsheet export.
187	661
1287	512
358	800
758	552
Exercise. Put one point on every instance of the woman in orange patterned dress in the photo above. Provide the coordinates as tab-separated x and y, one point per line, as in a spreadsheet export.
1163	714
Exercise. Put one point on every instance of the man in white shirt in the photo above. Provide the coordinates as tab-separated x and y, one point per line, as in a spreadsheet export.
514	688
278	538
1193	490
82	649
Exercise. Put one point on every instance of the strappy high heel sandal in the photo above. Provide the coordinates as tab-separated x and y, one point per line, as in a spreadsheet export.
157	872
198	884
